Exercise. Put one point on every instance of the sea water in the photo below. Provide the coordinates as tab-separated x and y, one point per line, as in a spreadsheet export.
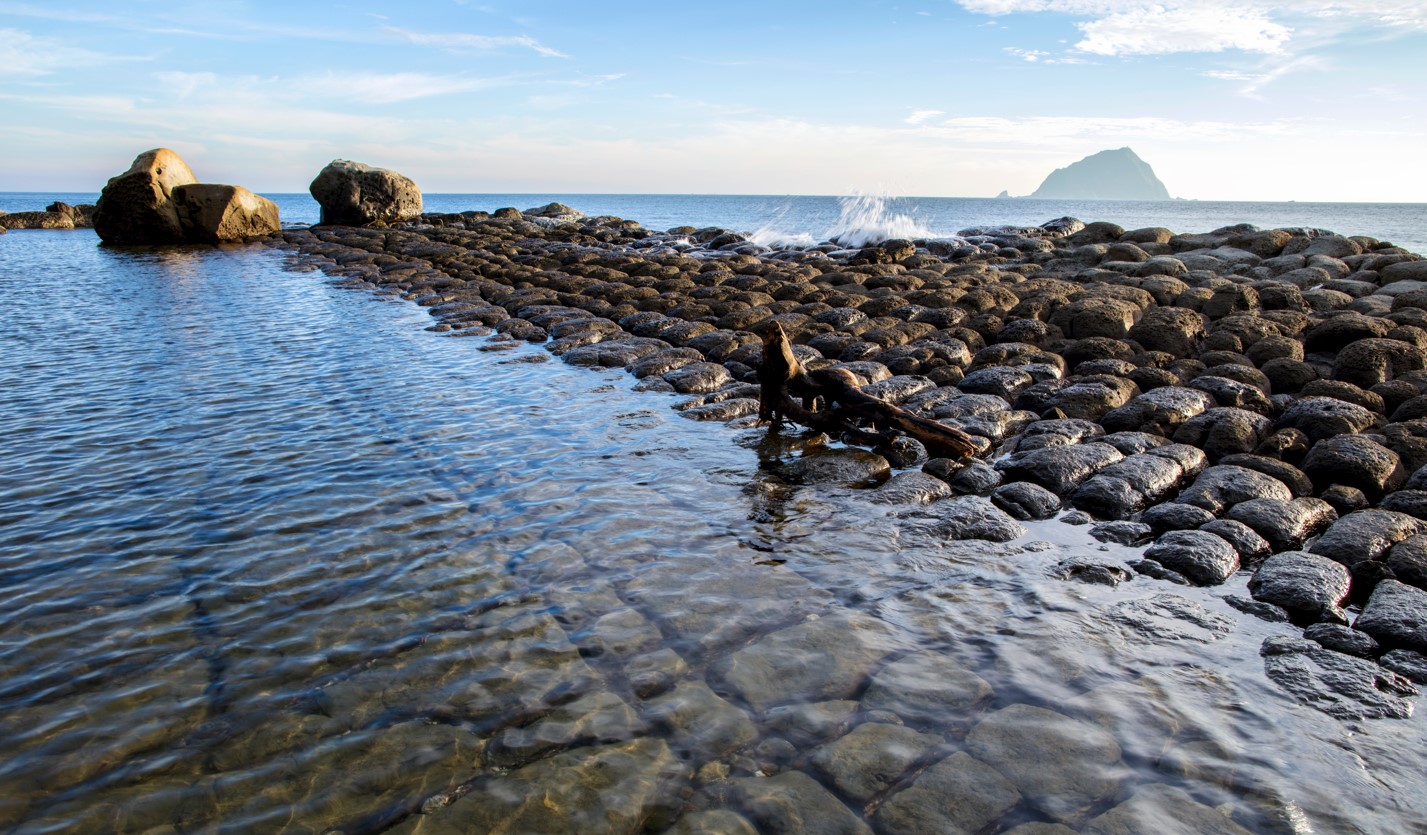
276	558
856	219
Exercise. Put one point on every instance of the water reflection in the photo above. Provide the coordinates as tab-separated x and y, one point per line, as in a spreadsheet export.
274	558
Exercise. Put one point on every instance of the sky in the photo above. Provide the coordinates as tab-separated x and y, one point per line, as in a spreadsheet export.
1309	100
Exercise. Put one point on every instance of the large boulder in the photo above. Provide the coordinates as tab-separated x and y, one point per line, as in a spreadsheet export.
137	206
214	213
354	194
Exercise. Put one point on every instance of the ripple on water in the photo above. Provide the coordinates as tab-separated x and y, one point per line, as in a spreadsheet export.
274	556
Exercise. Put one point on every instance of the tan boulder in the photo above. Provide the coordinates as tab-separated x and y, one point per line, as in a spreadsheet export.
37	220
214	213
355	194
136	207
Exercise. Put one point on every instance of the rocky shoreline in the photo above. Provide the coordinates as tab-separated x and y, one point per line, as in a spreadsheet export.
1243	401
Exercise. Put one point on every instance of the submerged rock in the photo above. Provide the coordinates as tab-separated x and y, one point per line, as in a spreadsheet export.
1337	684
957	794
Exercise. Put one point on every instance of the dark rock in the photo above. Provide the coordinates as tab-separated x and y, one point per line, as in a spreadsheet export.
1297	482
1061	766
1122	532
1367	362
974	477
1366	575
973	517
1202	557
911	488
1258	608
1159	412
1355	461
1408	561
353	194
1286	525
1095	316
1338	332
137	206
1288	445
852	467
1287	376
698	378
1244	539
1340	638
1084	570
1049	433
1174	330
1325	417
1060	468
1406	663
1127	486
1174	516
1231	392
958	794
1220	488
1337	684
1224	431
1396	615
1346	392
1365	535
1024	500
1134	443
1345	500
1003	381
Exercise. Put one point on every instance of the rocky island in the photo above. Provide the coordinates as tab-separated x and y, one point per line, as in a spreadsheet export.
1108	175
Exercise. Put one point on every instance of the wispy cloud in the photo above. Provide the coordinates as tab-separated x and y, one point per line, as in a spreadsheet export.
464	42
919	116
29	56
1250	83
1157	31
1037	56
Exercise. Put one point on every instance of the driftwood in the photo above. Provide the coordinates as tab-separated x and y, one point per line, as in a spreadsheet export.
829	400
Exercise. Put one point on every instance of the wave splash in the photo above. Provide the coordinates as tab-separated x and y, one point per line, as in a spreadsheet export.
862	219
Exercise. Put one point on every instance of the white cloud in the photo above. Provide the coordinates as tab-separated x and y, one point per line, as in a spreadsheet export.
29	56
462	42
1156	31
1037	56
1252	82
386	88
919	116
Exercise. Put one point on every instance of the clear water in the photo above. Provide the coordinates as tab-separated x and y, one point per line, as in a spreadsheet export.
793	218
275	558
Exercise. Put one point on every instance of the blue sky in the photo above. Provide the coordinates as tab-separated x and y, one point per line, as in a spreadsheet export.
1251	99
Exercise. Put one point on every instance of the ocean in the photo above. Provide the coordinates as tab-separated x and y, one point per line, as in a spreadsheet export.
803	219
276	557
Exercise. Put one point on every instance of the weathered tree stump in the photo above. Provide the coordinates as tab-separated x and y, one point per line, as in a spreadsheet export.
832	402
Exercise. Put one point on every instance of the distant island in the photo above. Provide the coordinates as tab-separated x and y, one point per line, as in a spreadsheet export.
1108	175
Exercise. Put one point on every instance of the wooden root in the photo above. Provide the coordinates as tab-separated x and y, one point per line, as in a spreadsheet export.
852	413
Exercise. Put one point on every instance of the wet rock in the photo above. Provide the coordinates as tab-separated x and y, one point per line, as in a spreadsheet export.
1164	810
655	672
852	467
1346	500
1408	561
1365	535
1059	469
1169	617
1396	615
1122	532
1084	570
898	389
972	517
1340	638
958	794
1310	587
1367	362
712	822
974	477
1285	525
1127	486
1258	608
1406	663
1174	516
1134	443
354	194
792	803
698	378
602	789
1023	500
1202	557
1337	684
810	724
1224	431
868	760
621	632
1325	417
1049	433
926	689
1287	376
1293	478
1002	381
1173	330
596	717
1234	393
1061	766
1250	545
1160	411
695	718
827	658
1354	461
1219	488
1366	575
725	410
614	353
911	488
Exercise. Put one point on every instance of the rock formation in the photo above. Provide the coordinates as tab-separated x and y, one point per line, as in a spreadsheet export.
354	194
1108	175
159	201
